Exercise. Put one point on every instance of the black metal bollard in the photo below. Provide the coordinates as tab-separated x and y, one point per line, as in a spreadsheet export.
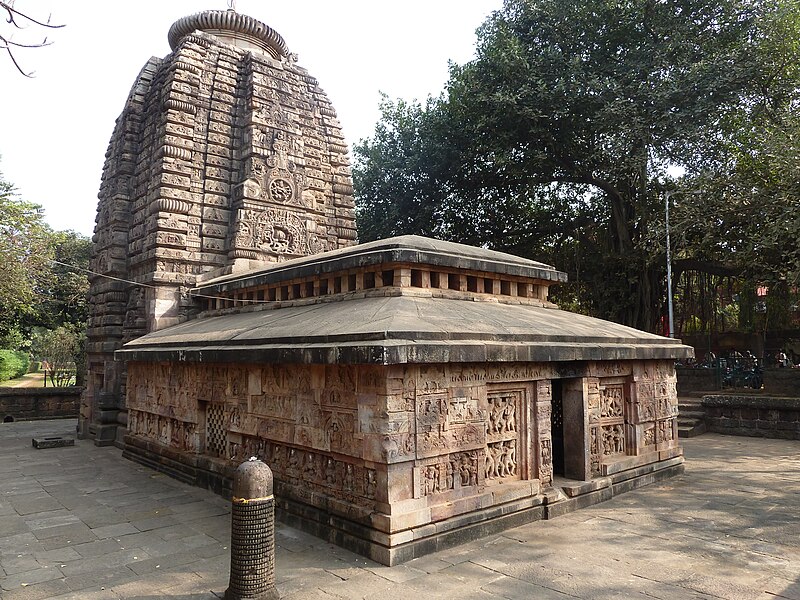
252	534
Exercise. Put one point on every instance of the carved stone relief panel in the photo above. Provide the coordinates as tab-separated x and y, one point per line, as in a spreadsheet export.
308	473
174	433
506	455
340	431
504	372
543	458
448	422
667	432
446	473
655	407
607	369
340	386
502	434
431	416
608	434
648	436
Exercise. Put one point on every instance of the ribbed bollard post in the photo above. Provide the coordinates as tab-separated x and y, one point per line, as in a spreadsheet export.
252	534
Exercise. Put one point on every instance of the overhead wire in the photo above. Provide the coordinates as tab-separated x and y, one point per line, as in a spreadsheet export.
147	285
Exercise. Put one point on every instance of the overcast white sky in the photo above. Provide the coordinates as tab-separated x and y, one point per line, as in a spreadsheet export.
54	128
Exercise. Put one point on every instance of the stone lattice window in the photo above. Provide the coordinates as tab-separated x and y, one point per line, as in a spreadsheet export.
216	436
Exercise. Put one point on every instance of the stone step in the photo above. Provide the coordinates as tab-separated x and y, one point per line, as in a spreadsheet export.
692	414
688	431
690	402
690	425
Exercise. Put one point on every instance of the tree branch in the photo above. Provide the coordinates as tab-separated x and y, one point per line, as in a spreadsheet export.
710	267
6	43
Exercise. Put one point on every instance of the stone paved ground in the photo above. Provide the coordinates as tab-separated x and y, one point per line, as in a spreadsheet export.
84	523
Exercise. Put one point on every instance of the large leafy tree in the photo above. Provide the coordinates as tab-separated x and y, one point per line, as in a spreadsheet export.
26	251
65	287
561	135
43	280
398	172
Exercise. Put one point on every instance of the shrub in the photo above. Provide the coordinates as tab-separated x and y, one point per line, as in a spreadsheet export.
13	364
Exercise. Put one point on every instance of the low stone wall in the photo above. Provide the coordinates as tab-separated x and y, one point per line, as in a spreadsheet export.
691	380
28	404
782	382
753	416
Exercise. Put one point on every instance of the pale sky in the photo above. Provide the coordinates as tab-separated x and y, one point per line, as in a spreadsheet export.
54	128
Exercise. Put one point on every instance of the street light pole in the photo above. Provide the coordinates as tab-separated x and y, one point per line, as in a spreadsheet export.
667	196
669	269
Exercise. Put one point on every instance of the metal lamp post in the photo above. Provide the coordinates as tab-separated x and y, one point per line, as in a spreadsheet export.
668	195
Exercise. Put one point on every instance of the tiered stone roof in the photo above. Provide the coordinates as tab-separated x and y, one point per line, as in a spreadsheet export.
401	300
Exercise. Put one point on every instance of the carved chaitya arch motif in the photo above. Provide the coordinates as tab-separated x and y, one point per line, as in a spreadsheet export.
276	231
285	181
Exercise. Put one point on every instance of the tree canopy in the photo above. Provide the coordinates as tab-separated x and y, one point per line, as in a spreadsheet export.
561	139
24	246
35	291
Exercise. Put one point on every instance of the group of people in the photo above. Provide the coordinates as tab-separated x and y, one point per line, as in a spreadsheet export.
781	360
746	360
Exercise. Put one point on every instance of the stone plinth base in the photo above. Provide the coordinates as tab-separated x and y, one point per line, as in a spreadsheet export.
403	546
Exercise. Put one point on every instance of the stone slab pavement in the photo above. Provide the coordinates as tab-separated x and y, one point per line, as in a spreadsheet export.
84	523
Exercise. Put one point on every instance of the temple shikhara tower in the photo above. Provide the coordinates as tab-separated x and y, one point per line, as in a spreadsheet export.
227	154
408	393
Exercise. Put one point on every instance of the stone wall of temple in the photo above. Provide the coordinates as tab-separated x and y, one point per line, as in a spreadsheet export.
399	447
223	158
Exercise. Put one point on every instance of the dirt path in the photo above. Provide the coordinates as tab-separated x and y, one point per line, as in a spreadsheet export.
31	380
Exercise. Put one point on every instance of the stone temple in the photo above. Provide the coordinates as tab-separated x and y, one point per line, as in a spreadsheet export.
227	154
409	393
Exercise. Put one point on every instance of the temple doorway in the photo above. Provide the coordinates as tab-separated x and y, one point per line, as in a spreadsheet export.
557	427
569	429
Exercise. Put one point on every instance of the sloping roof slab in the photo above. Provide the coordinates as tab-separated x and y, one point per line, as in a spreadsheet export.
398	330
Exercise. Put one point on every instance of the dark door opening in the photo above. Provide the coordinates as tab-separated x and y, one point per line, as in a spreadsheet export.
557	427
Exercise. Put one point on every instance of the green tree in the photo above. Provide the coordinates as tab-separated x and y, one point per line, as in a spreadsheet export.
26	251
59	350
560	135
750	217
65	287
397	177
43	282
